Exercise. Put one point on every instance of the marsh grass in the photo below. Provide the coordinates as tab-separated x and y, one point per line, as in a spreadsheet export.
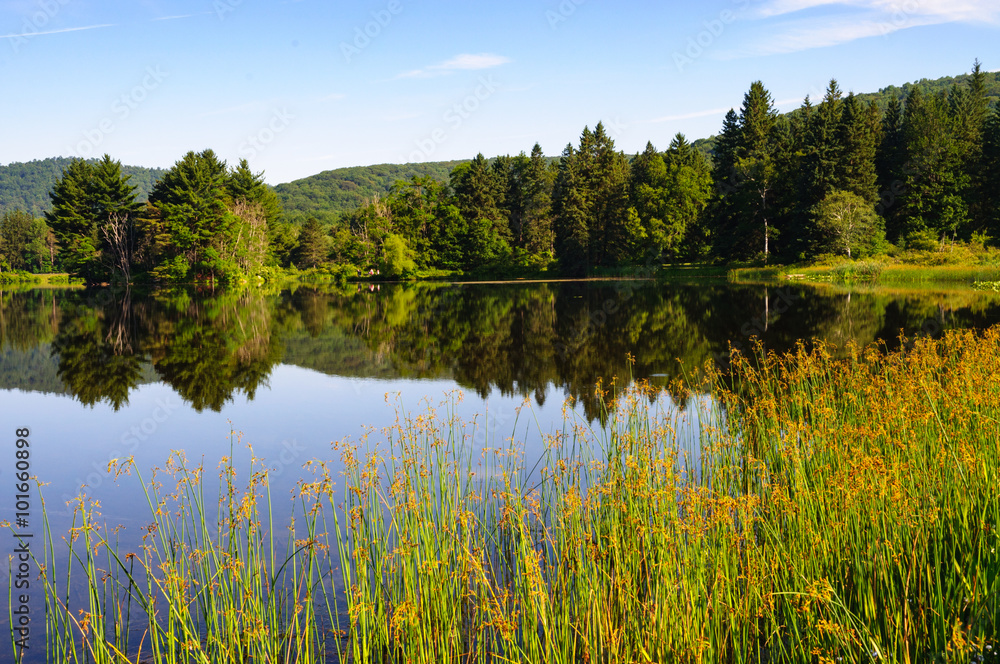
824	510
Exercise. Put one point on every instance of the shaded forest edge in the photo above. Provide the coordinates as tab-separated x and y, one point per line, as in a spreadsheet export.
906	172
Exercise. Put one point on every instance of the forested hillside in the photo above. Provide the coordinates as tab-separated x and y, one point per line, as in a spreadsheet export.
26	185
329	194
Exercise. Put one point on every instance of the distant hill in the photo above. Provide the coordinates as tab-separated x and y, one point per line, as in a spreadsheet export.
26	185
330	193
930	87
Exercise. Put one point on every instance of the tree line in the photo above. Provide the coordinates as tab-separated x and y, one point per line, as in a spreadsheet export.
843	176
203	221
839	177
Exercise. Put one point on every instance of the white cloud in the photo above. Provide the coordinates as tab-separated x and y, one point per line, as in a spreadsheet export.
463	62
856	19
943	11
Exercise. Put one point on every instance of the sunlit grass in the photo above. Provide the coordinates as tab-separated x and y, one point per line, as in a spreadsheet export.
822	510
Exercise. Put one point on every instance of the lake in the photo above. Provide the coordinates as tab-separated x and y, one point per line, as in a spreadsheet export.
103	375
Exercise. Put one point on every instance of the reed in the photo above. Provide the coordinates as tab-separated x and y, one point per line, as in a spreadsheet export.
804	509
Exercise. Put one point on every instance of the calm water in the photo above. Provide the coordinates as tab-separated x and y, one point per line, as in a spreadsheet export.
103	375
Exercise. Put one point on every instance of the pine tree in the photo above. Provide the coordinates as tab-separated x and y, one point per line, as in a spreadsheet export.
73	222
823	149
756	168
479	194
936	179
891	167
991	175
536	180
192	215
313	248
857	138
114	205
571	211
970	108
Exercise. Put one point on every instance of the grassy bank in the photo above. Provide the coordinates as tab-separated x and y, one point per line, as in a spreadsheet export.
36	280
870	272
843	510
950	264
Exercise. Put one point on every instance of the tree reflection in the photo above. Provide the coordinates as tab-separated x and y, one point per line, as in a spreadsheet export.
530	340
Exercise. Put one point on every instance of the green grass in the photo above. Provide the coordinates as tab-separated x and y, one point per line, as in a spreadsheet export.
841	510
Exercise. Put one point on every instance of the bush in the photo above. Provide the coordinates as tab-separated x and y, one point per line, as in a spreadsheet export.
869	270
397	257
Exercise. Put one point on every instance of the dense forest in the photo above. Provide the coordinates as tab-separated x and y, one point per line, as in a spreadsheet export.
25	186
840	176
852	175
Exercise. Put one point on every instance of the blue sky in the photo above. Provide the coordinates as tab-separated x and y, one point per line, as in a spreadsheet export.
303	86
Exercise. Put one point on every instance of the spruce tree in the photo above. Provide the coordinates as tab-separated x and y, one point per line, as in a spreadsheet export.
313	248
73	221
536	204
857	138
571	210
191	218
890	167
756	168
114	205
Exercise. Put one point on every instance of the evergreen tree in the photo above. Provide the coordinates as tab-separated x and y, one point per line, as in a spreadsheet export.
970	109
114	205
669	193
312	250
756	168
73	222
858	138
192	215
571	210
936	179
479	194
823	148
991	175
891	167
535	203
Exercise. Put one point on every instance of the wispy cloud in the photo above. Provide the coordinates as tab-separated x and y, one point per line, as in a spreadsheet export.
463	62
944	11
798	25
24	35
